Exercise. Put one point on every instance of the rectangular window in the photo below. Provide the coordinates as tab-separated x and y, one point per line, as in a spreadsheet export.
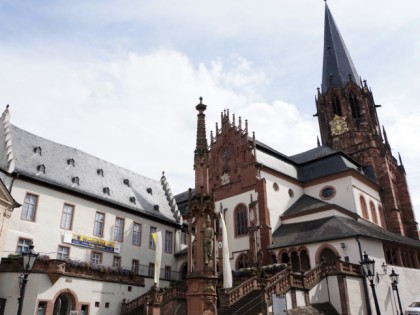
168	242
183	238
151	270
152	244
137	234
63	252
67	217
168	272
23	245
29	207
116	262
98	229
135	266
96	258
119	230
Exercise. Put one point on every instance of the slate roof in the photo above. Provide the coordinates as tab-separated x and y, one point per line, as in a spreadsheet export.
54	165
313	154
337	60
182	200
305	203
331	228
315	163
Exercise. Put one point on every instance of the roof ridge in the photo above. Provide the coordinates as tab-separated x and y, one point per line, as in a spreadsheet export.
84	153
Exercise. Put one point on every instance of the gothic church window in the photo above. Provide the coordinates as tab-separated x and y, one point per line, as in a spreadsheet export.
241	220
336	106
354	105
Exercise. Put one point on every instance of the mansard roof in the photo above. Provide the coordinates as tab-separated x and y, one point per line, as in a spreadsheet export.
63	167
338	68
332	228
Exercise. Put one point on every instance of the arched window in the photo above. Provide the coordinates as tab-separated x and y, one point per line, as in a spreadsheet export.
364	208
381	216
326	252
273	258
242	261
354	105
336	105
295	262
327	255
373	212
241	220
304	261
284	258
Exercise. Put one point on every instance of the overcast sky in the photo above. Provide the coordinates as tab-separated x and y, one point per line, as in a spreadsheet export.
120	79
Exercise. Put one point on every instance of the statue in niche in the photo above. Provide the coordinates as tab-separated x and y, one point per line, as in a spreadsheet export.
208	236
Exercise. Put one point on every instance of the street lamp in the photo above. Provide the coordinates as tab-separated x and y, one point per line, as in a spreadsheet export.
394	282
29	258
369	272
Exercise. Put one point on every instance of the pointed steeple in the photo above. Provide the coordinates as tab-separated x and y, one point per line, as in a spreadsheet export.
338	68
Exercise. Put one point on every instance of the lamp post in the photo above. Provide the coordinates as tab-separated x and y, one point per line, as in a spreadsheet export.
394	282
369	272
29	258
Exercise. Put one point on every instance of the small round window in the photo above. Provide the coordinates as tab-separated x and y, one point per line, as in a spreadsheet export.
276	187
327	192
291	193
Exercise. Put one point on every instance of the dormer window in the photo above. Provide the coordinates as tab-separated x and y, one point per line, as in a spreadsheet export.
100	172
38	150
70	162
75	180
41	168
149	190
156	207
126	182
107	191
133	200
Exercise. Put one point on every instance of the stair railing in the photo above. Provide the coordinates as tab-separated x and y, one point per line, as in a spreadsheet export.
243	309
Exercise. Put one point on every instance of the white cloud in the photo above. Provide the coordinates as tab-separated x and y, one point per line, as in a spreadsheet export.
121	80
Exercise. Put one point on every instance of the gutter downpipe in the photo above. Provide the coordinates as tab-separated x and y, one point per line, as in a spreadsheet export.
365	287
13	180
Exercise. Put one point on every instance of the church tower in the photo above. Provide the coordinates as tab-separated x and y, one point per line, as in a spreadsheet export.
202	221
348	121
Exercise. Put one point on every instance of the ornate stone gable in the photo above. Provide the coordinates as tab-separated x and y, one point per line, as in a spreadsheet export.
232	162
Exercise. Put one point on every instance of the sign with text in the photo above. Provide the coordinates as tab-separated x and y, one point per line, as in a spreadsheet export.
91	242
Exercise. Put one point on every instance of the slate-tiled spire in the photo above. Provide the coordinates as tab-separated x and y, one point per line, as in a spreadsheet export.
338	68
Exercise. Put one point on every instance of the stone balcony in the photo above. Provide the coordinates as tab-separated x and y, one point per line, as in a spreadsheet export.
56	268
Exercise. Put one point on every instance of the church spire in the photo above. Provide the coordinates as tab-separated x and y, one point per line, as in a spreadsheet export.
338	68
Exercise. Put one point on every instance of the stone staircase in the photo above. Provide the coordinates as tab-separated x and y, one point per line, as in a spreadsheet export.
248	305
247	297
314	309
